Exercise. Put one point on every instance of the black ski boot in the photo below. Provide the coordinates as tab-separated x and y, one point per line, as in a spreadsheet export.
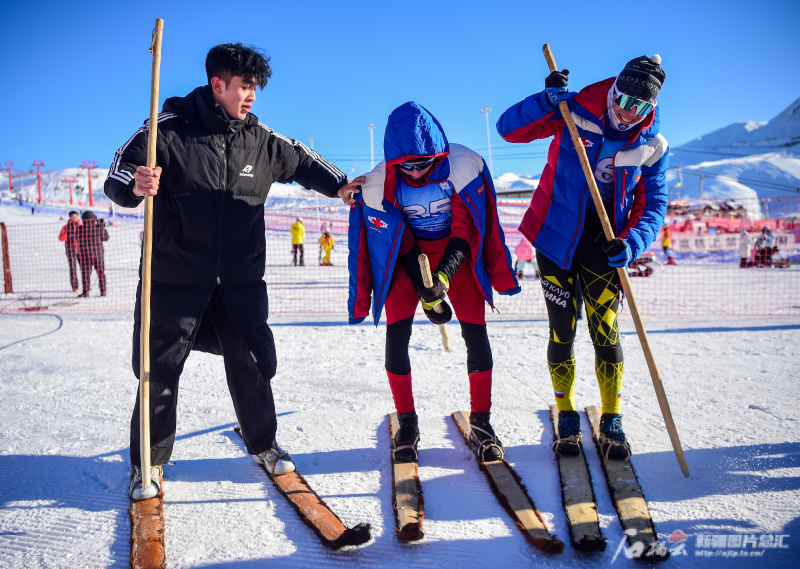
482	435
404	443
569	434
613	444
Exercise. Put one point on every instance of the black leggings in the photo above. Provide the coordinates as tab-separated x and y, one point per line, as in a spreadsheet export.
398	334
600	287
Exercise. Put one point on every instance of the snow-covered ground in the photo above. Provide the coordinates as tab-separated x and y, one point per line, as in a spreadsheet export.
66	399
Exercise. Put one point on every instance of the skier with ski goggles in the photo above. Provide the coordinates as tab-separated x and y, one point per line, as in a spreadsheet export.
429	196
618	122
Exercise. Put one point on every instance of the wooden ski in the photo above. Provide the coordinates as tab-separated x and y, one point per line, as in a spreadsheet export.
512	494
406	494
578	498
315	512
628	500
147	532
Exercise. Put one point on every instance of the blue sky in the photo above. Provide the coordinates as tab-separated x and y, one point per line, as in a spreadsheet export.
77	74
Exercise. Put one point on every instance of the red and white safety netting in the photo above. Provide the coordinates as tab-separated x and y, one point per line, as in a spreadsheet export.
708	276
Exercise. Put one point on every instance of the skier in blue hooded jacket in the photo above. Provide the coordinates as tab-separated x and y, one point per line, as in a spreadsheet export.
430	197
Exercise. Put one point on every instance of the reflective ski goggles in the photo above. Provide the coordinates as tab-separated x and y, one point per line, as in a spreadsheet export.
627	103
417	166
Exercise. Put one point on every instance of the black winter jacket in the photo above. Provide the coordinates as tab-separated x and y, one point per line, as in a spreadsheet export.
208	216
90	236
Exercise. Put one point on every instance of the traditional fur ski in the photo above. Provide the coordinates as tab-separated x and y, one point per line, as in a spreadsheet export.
147	532
578	497
406	494
315	512
629	501
512	494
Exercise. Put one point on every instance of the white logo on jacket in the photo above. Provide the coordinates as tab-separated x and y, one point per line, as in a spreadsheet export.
377	223
246	171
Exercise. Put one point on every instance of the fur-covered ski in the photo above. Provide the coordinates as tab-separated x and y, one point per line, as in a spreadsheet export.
512	494
315	512
578	498
628	500
406	494
147	532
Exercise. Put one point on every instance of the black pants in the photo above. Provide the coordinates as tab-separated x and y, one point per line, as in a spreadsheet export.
599	284
72	260
87	262
295	249
172	339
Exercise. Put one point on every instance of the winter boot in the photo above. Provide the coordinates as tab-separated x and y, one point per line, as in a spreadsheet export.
275	460
569	434
135	490
481	434
613	444
406	439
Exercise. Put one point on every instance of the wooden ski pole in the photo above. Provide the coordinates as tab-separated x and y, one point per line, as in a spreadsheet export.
427	280
623	275
147	254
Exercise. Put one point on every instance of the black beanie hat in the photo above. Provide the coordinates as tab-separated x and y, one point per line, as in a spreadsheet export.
89	215
642	78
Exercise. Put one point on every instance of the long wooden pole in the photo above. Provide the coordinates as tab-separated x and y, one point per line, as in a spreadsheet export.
147	255
427	280
623	275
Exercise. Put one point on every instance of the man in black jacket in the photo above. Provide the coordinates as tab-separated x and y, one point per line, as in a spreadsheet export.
90	236
215	166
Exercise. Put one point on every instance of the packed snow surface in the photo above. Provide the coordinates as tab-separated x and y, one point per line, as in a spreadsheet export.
66	400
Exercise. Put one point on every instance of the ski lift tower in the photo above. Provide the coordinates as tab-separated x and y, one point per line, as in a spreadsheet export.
371	127
486	111
89	165
9	164
39	164
70	180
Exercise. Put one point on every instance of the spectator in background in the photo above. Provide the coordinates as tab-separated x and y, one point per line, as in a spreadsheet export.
326	244
91	234
69	234
745	248
298	234
666	244
524	253
764	254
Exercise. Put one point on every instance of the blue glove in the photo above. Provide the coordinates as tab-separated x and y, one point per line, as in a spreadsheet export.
555	87
619	254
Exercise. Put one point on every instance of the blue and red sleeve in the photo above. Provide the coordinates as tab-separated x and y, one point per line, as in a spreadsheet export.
531	119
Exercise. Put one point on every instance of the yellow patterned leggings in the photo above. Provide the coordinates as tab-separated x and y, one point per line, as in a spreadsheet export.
600	286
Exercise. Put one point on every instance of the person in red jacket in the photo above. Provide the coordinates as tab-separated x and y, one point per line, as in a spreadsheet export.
69	235
91	234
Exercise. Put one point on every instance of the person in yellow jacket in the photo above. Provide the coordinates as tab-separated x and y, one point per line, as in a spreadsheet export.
666	244
298	234
326	244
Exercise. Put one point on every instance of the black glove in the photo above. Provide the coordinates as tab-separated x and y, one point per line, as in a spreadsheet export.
435	317
454	255
438	290
555	87
618	251
557	79
410	262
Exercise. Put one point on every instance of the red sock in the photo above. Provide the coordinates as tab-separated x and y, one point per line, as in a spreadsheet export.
480	391
401	392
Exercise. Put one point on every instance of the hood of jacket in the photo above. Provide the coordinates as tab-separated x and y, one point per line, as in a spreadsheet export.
413	131
200	107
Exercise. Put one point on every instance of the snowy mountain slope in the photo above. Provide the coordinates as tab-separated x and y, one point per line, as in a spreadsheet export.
747	159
